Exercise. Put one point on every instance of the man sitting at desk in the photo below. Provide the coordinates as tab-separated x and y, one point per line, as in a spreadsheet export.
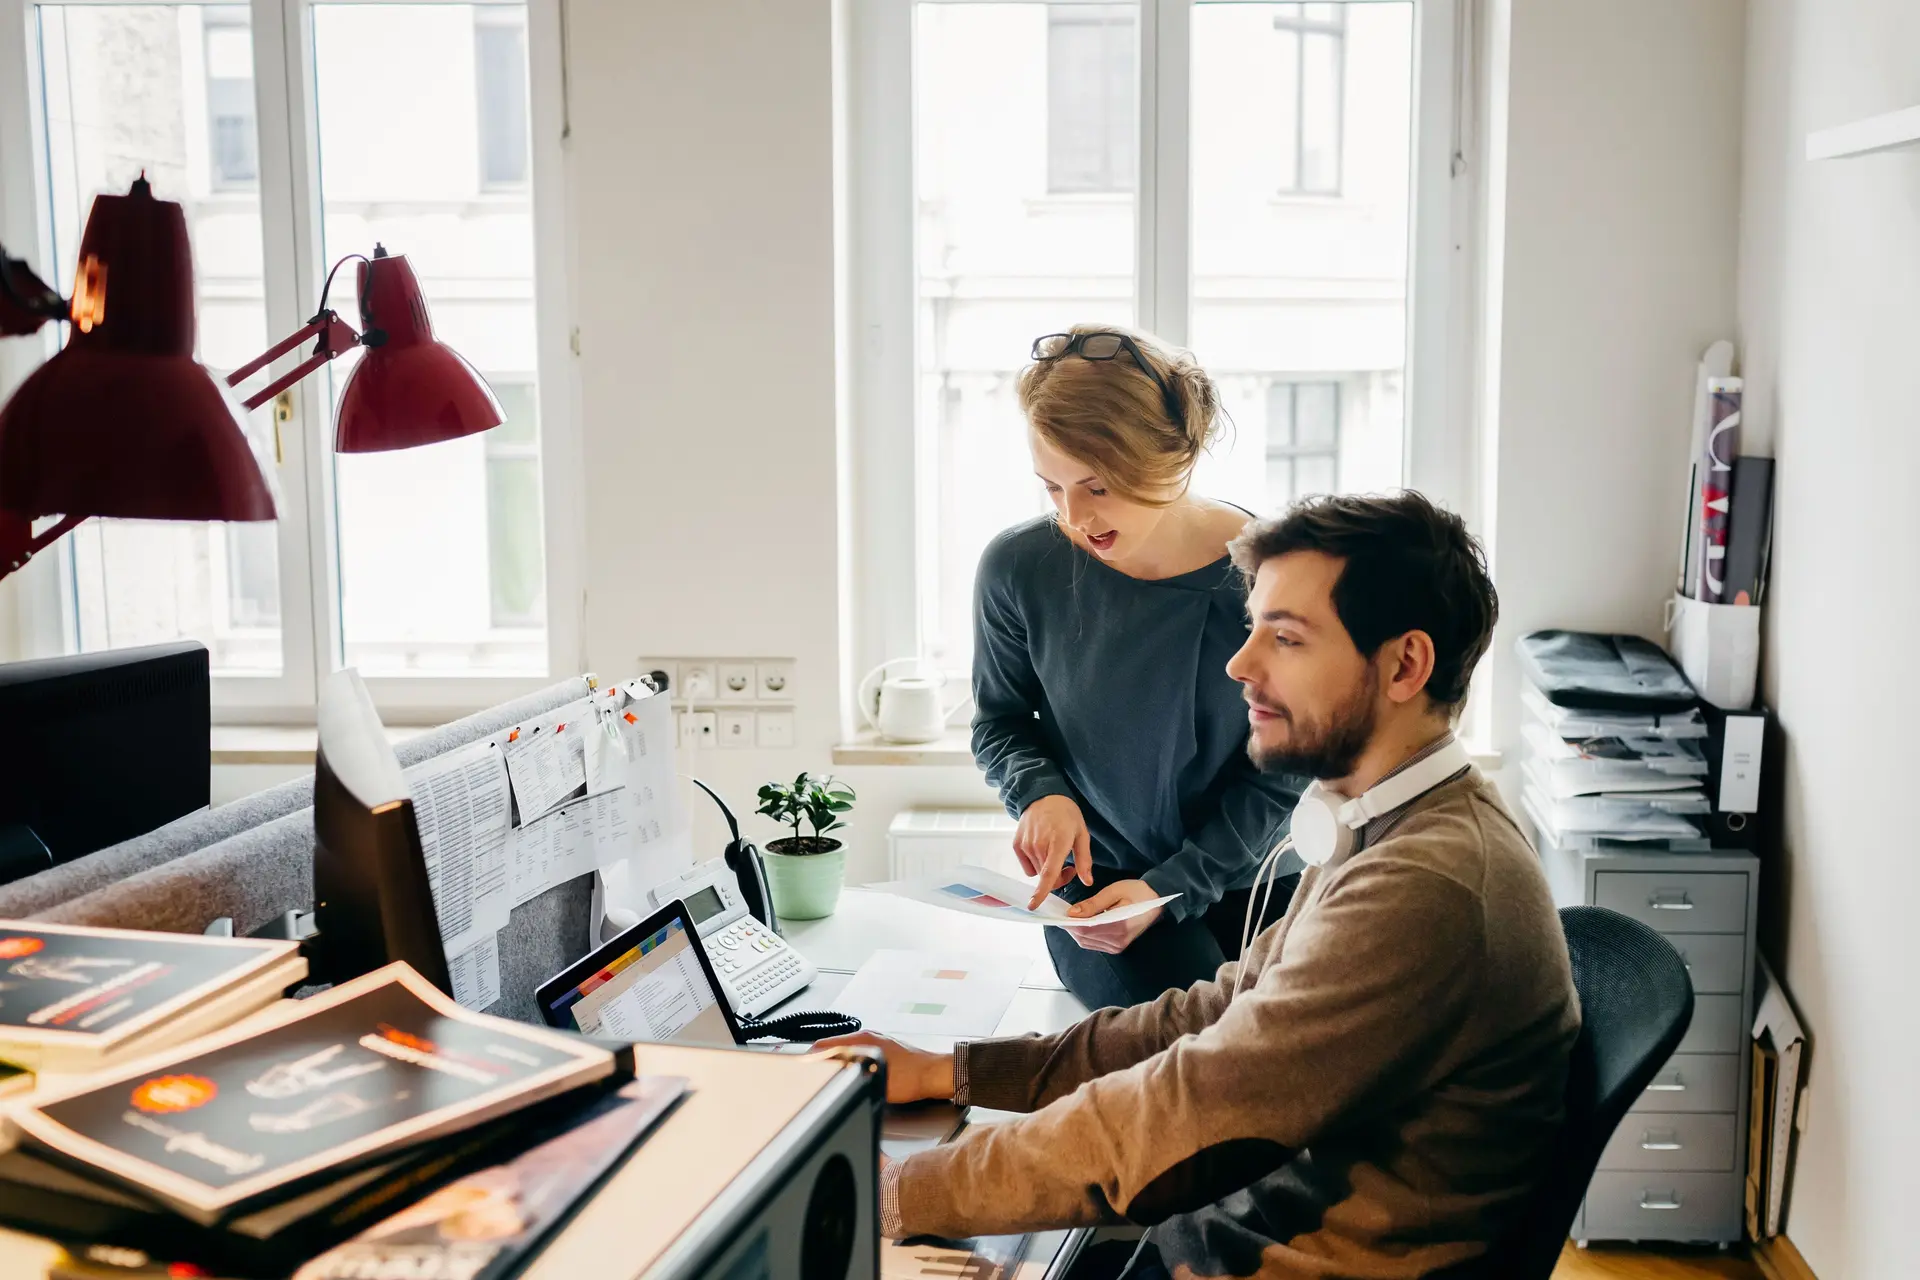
1378	1098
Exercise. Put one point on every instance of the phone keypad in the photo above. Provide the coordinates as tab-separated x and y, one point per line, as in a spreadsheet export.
753	960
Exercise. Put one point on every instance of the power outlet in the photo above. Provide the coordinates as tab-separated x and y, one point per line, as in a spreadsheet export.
697	681
776	729
698	729
774	681
736	728
665	675
737	682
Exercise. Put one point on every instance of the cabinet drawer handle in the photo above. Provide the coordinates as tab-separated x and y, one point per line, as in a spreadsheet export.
1649	1142
1671	1202
1677	1086
1670	900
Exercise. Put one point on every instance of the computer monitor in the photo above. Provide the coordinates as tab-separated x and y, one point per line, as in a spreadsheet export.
372	901
100	748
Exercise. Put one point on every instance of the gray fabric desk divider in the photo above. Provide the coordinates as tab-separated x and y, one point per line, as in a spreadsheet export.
253	859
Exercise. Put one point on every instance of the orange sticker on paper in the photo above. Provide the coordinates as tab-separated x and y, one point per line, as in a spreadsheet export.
514	736
14	948
632	719
164	1095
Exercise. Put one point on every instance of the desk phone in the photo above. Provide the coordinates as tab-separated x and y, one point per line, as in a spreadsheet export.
755	966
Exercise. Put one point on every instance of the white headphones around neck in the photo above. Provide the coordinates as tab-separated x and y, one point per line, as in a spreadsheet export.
1324	822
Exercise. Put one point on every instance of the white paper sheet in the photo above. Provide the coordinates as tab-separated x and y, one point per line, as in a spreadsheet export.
916	993
551	851
460	805
547	763
476	973
648	739
980	892
631	812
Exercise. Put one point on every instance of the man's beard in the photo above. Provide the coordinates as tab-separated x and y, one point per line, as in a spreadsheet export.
1325	751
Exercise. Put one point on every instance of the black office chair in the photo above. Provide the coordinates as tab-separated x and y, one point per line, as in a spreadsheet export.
1635	1003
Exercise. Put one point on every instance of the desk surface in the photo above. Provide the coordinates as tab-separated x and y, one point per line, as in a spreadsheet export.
607	1230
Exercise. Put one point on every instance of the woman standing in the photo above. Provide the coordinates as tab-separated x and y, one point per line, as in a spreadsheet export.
1105	716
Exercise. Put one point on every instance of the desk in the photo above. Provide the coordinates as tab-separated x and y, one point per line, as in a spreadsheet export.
607	1238
866	922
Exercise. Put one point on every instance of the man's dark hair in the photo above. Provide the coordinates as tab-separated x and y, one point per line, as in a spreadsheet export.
1409	567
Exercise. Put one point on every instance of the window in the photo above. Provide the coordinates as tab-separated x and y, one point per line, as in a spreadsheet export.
425	568
500	84
998	264
1303	440
233	153
1310	47
1298	308
1092	129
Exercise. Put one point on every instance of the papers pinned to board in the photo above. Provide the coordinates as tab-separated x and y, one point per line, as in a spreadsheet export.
980	892
593	786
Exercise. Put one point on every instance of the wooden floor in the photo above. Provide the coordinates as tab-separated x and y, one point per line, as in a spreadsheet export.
1621	1262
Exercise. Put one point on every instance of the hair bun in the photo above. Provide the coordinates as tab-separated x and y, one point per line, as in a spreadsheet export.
1199	402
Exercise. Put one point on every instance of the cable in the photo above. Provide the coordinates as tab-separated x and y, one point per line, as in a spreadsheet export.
1268	865
801	1028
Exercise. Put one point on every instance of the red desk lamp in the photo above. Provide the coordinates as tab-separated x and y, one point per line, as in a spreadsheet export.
409	389
123	421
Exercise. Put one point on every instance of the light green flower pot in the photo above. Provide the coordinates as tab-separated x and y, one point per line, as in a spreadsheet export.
805	886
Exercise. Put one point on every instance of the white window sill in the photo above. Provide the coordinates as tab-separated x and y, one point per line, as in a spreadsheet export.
954	748
281	744
951	749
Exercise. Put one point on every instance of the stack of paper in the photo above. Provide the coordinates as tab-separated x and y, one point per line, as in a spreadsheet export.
1596	779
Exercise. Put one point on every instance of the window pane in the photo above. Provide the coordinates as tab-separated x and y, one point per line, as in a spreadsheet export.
233	156
1320	112
138	87
1306	294
1092	132
500	73
998	265
421	531
1285	100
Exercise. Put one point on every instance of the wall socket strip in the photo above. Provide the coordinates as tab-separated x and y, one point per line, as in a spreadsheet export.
723	682
730	703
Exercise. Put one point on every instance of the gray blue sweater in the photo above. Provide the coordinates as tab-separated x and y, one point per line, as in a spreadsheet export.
1113	691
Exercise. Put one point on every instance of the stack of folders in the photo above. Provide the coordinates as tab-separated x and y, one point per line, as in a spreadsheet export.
1598	779
316	1127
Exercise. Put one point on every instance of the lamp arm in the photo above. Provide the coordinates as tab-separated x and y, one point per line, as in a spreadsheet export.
18	543
335	336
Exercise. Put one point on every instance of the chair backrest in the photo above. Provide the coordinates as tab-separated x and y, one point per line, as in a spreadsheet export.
1635	1003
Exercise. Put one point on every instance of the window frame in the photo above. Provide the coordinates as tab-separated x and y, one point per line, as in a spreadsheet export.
286	116
1441	448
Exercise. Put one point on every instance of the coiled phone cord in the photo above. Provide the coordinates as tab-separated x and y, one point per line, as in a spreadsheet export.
801	1028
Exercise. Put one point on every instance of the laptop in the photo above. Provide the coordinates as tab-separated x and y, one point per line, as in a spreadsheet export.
652	982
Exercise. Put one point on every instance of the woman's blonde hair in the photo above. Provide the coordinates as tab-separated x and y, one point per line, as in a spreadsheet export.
1110	415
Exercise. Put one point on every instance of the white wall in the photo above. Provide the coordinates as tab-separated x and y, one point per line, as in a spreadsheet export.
702	167
1622	185
1829	324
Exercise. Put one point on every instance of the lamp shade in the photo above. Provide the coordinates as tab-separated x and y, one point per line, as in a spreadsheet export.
409	388
124	421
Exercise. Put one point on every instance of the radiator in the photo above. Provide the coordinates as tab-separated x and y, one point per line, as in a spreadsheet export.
923	841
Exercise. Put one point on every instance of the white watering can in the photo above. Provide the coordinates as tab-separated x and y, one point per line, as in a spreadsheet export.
905	707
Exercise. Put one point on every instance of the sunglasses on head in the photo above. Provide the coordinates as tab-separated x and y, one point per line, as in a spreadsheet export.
1105	345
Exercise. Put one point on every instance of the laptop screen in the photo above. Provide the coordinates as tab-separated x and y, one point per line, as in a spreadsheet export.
656	989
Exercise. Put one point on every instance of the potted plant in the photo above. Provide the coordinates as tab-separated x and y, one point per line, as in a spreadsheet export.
804	873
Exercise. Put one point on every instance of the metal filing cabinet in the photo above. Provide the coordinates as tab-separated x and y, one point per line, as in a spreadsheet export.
1675	1168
